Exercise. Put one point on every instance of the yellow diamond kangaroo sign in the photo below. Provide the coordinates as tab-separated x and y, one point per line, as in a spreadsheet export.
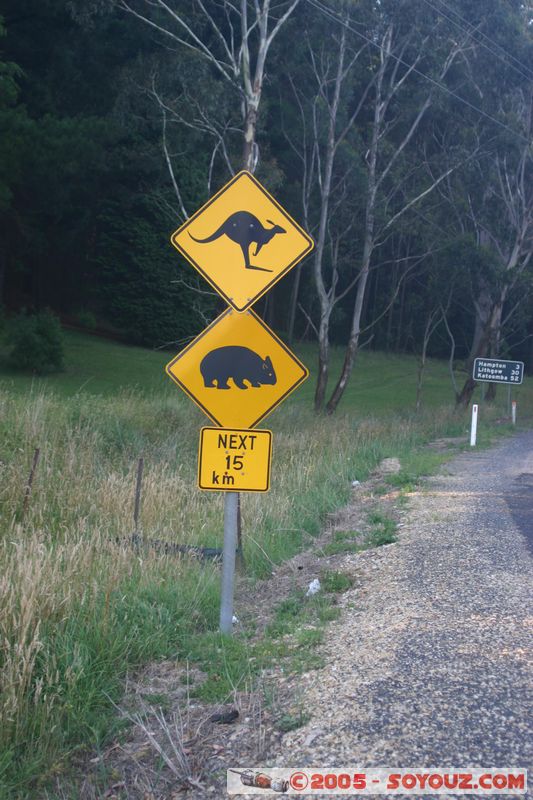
242	241
237	385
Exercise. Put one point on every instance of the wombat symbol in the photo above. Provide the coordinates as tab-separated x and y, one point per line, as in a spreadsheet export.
238	363
244	229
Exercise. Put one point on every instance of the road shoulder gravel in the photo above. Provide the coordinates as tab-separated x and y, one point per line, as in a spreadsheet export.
430	664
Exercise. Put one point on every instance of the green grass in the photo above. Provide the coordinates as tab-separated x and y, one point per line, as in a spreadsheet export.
95	366
383	530
291	722
335	582
415	465
380	382
343	542
292	638
93	611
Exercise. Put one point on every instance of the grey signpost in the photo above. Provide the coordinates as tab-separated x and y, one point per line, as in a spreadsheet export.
222	221
499	370
228	561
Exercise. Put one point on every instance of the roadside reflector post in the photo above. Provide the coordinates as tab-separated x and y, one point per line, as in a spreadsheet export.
473	429
231	508
513	411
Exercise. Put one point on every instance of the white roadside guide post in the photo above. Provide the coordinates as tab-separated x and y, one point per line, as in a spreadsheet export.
237	347
473	427
513	411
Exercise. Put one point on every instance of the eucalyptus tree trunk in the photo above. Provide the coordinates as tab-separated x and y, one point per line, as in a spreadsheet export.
252	84
388	83
509	234
495	344
355	330
465	395
293	304
327	297
480	341
237	50
368	247
488	346
434	318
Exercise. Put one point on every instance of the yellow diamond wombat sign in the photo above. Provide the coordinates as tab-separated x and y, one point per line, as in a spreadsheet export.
242	241
237	384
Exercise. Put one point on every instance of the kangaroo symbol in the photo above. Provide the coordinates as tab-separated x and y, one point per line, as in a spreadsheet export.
244	229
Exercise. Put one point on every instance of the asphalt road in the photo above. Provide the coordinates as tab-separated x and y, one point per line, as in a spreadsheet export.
519	496
430	664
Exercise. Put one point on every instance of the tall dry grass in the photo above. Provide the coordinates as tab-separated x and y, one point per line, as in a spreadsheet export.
77	610
74	614
42	581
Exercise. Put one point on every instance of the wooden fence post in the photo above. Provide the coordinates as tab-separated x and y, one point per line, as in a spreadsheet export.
138	490
27	491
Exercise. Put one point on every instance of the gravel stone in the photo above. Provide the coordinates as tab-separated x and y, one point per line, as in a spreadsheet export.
430	663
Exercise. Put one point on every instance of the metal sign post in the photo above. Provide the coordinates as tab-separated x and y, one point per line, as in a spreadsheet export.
497	370
228	561
237	370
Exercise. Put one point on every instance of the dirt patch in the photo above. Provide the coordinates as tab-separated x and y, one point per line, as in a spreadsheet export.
388	466
448	443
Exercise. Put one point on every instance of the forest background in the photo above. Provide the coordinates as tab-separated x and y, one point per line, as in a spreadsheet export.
397	133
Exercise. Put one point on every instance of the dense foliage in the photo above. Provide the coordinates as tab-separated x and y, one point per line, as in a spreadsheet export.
428	205
36	342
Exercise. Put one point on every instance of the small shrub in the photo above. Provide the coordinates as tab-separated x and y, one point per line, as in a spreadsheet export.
291	722
403	480
382	536
86	319
329	614
336	582
309	637
384	531
37	342
343	542
291	607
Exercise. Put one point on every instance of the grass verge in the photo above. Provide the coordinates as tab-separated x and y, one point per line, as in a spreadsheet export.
77	612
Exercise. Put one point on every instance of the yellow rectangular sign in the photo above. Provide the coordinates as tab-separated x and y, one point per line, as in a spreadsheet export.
234	460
